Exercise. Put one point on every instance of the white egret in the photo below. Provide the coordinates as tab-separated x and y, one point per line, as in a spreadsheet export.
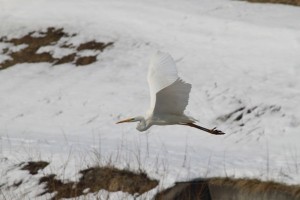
169	97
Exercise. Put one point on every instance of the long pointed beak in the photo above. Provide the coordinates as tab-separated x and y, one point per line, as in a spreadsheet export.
126	120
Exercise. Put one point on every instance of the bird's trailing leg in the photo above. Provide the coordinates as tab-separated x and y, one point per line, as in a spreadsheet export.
212	131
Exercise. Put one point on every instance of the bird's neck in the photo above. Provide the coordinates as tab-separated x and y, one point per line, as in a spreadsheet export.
140	118
142	126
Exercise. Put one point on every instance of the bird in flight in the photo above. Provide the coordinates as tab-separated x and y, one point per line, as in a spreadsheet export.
169	97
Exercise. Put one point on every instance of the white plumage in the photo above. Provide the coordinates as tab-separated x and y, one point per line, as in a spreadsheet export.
161	73
168	93
169	96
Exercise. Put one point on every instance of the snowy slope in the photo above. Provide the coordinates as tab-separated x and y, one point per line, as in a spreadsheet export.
236	55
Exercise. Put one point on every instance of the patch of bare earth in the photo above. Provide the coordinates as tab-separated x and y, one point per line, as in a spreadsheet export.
85	60
34	166
287	2
33	41
93	45
92	180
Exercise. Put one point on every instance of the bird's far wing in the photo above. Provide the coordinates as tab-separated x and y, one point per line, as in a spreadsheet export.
162	72
173	99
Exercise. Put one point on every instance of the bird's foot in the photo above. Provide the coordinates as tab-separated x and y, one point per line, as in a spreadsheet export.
215	131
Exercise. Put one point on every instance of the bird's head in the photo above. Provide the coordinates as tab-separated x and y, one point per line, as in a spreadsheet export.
141	126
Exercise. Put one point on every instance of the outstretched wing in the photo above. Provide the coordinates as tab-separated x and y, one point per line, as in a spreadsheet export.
173	99
169	94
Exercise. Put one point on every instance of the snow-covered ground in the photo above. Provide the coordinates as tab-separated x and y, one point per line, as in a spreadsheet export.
235	54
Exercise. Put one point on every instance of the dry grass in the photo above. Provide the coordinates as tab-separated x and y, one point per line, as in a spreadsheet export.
92	180
113	179
287	2
228	188
257	186
61	189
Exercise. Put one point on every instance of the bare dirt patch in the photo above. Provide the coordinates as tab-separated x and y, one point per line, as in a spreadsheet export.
66	59
93	45
85	60
34	166
28	54
287	2
33	41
